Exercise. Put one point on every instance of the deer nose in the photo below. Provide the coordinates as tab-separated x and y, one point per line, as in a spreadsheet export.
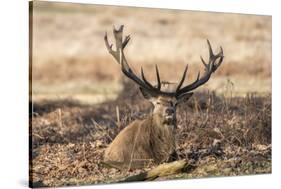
170	111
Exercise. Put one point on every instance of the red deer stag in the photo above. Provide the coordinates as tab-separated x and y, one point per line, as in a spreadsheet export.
152	139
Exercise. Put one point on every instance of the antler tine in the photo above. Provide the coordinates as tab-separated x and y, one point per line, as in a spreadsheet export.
144	79
158	77
221	56
209	69
205	64
182	79
118	35
210	48
211	57
109	47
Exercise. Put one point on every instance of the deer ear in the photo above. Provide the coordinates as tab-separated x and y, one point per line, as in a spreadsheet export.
183	98
146	94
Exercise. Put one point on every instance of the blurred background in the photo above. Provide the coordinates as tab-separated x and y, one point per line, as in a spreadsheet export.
70	60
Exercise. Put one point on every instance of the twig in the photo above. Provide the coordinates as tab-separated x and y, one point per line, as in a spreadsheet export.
83	150
96	124
60	123
37	135
60	119
118	117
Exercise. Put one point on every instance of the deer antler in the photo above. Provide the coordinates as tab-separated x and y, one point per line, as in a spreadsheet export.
121	59
210	68
119	56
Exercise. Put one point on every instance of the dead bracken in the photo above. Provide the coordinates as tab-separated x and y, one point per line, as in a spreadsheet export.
220	136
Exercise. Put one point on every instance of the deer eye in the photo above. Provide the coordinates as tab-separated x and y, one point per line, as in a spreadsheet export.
157	102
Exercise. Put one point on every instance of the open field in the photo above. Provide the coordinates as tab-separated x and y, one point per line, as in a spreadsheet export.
225	129
70	58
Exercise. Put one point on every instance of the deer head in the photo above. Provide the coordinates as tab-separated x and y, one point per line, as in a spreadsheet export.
165	96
